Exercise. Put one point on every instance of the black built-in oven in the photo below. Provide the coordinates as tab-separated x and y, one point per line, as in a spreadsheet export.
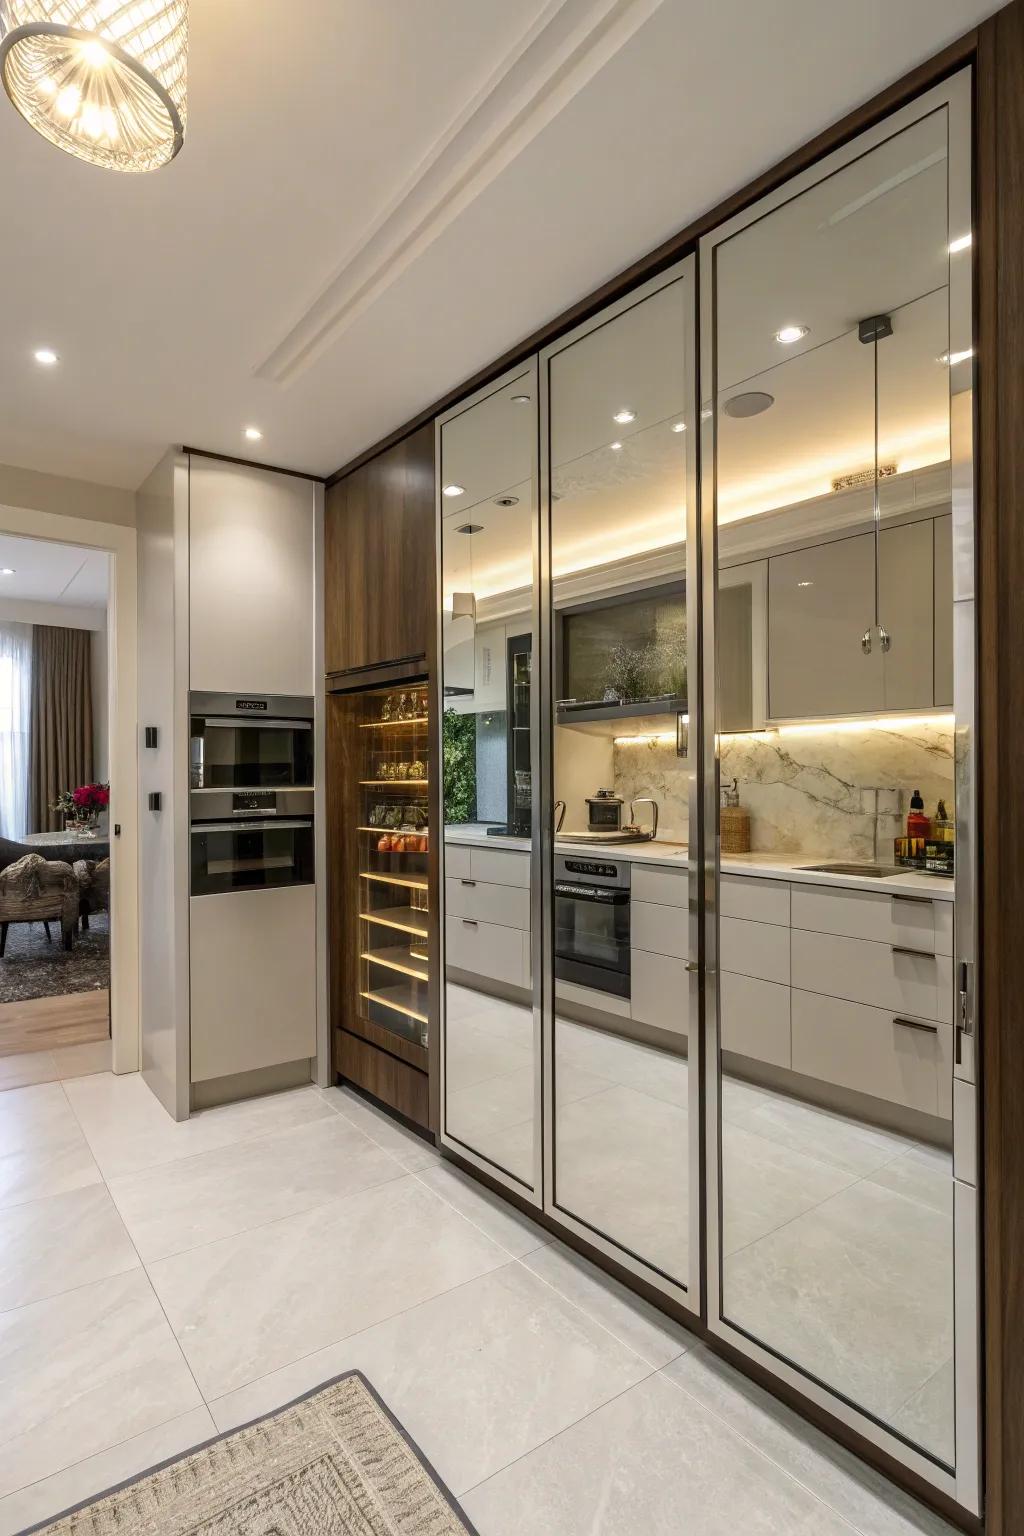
592	923
251	854
250	742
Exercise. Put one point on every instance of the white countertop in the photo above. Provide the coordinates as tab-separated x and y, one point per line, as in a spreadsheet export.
767	866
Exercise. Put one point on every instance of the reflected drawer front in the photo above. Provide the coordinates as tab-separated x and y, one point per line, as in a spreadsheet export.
915	922
858	1047
761	901
668	887
506	904
662	930
457	860
501	866
754	949
660	991
485	949
920	984
755	1018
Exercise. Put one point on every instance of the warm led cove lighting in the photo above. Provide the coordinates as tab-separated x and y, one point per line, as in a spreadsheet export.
790	333
624	417
891	723
46	356
962	243
253	434
454	490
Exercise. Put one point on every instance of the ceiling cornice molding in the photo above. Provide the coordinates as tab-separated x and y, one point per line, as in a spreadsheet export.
568	44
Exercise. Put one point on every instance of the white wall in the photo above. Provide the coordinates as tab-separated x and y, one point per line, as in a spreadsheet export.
67	616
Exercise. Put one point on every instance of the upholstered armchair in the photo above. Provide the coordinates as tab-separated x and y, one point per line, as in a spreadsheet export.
38	890
93	876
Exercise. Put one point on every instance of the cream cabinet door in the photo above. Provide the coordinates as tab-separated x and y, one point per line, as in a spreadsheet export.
943	569
820	602
906	609
252	596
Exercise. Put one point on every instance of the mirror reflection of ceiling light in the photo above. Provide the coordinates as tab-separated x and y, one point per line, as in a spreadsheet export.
47	356
750	403
679	426
790	333
950	359
6	570
961	243
454	490
624	417
506	501
805	583
707	413
615	447
253	434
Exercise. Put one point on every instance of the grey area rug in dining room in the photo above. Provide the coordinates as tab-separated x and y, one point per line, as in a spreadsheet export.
31	967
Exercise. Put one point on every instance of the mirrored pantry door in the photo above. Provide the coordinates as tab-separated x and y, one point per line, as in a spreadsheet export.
837	545
619	627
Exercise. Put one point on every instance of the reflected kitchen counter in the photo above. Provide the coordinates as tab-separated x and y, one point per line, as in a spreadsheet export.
767	866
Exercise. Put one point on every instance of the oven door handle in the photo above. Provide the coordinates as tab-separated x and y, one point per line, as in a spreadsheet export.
596	894
255	722
248	826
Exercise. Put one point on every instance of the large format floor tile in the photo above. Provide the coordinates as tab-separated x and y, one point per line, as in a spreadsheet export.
84	1371
129	1130
833	1138
411	1150
27	1067
42	1149
52	1245
248	1304
495	1217
478	1376
653	1462
765	1184
199	1199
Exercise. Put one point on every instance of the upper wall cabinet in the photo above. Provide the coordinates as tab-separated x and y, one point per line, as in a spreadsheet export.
380	519
251	579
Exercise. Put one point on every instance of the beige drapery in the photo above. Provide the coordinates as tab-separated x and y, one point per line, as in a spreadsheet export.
60	746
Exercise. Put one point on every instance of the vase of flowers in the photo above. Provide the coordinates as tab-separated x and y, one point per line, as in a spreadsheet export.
81	807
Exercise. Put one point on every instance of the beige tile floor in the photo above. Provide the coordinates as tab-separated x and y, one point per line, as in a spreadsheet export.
160	1283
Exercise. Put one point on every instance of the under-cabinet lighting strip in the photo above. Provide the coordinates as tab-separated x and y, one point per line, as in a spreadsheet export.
803	728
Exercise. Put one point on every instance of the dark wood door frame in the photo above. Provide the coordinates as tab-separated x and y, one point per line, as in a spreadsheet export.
996	50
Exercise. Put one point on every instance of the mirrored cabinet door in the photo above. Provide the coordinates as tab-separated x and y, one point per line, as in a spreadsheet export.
486	456
619	420
833	929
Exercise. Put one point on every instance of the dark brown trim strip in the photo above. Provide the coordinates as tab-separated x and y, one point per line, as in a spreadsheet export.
274	469
679	245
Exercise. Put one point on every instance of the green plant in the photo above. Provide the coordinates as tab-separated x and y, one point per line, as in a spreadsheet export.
458	741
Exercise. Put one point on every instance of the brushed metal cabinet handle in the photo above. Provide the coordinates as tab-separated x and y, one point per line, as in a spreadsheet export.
916	901
928	1029
469	922
921	954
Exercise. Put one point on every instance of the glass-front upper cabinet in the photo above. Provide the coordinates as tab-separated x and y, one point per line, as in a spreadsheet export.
837	386
487	501
617	490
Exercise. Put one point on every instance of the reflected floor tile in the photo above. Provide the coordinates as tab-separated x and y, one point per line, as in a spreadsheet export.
478	1376
502	1102
495	1217
765	1184
96	1474
924	1174
52	1245
821	1133
199	1199
510	1149
248	1304
928	1418
621	1164
653	1336
858	1291
128	1128
26	1068
84	1371
873	1505
42	1149
652	1463
412	1151
476	1050
625	1062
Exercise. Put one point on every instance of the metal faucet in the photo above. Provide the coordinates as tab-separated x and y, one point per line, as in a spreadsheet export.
873	807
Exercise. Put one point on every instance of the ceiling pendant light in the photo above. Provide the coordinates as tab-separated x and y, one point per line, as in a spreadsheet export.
103	79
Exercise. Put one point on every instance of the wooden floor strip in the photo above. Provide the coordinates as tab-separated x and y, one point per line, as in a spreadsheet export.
43	1023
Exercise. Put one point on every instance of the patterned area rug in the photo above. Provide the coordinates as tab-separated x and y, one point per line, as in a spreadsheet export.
32	968
334	1463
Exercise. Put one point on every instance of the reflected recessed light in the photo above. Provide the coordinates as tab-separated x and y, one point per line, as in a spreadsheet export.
454	490
615	447
706	413
253	434
790	333
950	359
625	416
506	501
46	355
679	426
520	399
960	244
6	570
805	583
471	528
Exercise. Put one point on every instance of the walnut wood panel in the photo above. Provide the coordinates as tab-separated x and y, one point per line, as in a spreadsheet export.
383	1075
379	558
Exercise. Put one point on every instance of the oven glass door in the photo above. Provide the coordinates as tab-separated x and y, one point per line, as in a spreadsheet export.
251	754
592	936
247	855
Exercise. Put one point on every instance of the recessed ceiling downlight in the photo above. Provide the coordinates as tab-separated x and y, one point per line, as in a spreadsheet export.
103	79
253	434
520	399
47	356
787	334
6	570
506	501
679	426
615	447
471	528
751	403
453	490
625	416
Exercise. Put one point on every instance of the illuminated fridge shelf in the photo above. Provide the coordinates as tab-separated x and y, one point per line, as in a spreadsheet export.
398	1000
404	919
398	959
405	881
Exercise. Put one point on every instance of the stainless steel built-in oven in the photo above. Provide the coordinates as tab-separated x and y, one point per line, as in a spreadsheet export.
254	742
592	923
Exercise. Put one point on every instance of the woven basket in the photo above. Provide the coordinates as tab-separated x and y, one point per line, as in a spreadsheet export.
735	829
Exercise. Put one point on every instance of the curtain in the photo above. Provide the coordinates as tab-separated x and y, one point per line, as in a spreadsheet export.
60	754
15	706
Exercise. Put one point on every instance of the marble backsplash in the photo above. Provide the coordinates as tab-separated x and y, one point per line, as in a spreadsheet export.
809	789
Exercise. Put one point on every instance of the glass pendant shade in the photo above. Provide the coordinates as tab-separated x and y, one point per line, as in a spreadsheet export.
103	79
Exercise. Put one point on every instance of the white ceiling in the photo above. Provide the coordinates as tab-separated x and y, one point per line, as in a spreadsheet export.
53	573
373	201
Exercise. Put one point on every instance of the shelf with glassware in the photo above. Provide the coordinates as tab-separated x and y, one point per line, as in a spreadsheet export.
391	834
